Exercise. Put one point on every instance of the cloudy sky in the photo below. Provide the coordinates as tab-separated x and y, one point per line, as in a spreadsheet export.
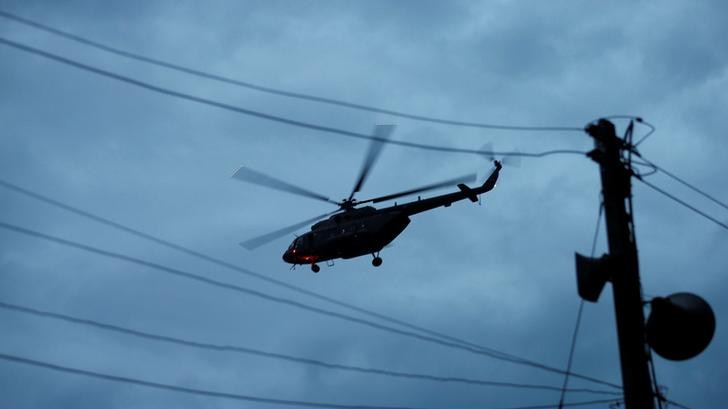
500	275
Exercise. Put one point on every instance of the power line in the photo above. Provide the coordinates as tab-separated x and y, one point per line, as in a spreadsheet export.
639	173
291	358
564	388
269	117
244	290
227	395
45	199
249	85
596	229
571	354
655	385
688	185
693	208
648	134
581	309
222	263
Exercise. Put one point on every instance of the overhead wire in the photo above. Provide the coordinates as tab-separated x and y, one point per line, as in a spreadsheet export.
226	395
135	232
571	354
687	184
280	356
659	397
575	334
652	169
243	290
685	204
270	90
655	168
270	117
647	135
628	138
188	251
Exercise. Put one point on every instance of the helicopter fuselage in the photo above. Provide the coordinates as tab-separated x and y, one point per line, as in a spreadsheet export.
366	230
354	233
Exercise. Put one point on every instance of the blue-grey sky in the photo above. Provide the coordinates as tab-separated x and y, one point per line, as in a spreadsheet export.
500	275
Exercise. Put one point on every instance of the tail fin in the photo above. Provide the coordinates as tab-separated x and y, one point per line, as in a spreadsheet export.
489	183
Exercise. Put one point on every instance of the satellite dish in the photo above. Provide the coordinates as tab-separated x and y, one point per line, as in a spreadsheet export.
680	326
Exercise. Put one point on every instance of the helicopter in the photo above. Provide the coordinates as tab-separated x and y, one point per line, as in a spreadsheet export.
352	231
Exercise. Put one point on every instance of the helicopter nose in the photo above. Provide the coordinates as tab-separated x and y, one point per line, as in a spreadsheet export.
288	257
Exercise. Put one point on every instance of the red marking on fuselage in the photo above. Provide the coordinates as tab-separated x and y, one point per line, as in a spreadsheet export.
292	257
307	259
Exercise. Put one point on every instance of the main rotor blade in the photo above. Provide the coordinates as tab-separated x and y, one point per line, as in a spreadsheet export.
381	135
251	176
256	242
454	181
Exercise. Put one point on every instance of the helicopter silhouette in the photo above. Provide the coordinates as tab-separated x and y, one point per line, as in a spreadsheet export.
352	231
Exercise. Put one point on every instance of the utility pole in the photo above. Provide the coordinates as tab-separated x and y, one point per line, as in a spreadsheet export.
622	264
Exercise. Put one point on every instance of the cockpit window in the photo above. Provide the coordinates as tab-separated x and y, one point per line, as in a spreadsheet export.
295	244
300	242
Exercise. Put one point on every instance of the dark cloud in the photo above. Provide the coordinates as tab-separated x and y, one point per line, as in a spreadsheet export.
500	275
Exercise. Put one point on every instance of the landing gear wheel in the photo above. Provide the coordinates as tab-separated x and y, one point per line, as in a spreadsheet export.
377	261
315	268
